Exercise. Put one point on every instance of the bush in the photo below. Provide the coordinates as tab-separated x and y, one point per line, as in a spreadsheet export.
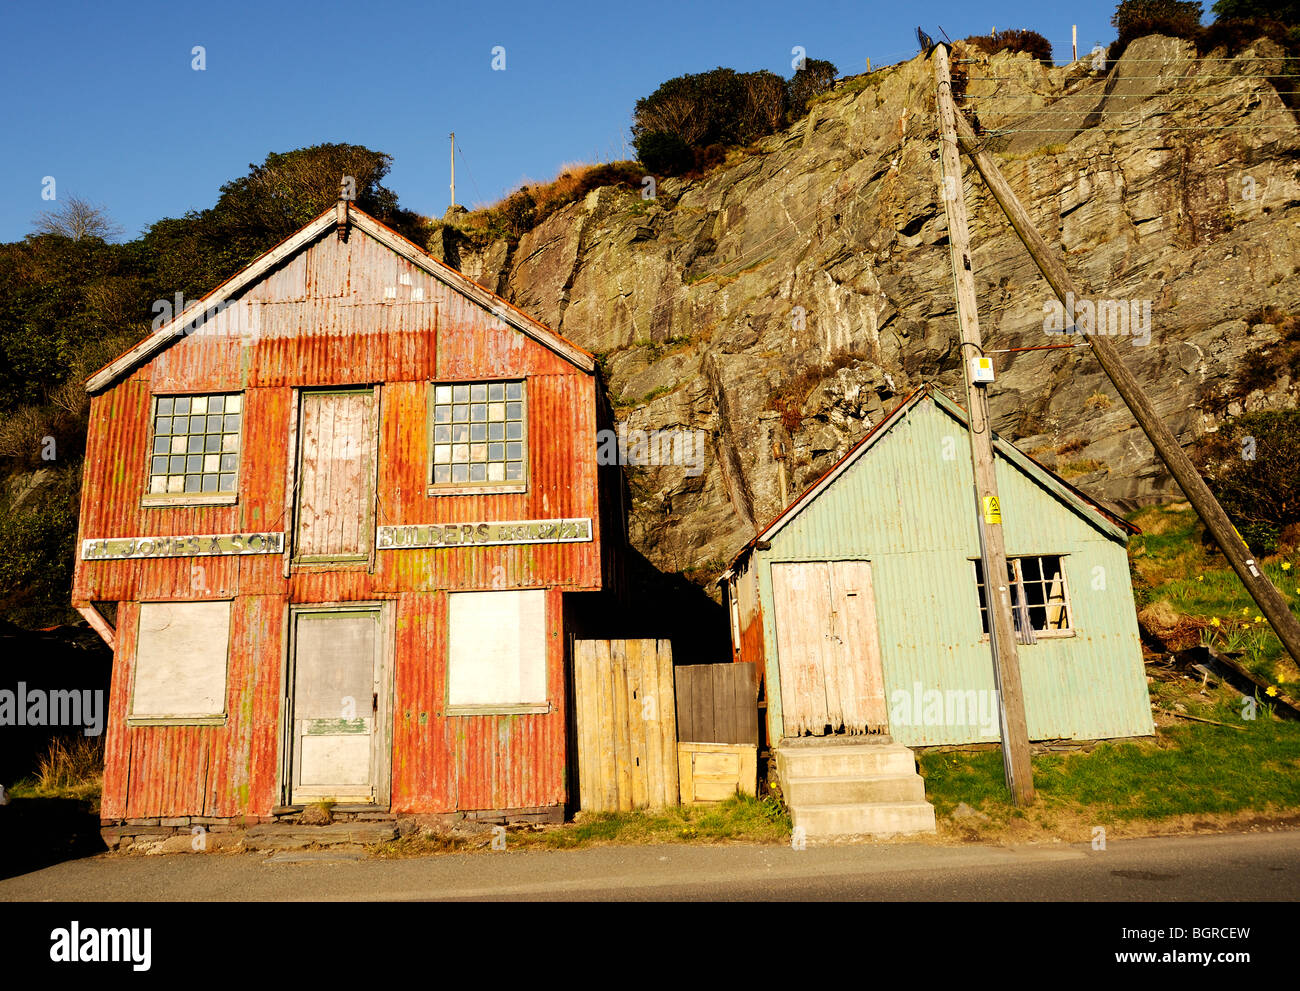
516	215
700	108
1251	466
709	157
1285	11
663	153
40	537
1237	34
816	77
1137	18
1015	40
690	120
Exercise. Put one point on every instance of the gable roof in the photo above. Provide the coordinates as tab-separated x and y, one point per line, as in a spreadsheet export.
167	334
1091	511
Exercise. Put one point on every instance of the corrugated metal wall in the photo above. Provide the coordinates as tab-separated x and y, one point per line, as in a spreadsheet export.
338	313
907	506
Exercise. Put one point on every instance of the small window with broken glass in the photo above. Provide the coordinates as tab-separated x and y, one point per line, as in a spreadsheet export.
195	446
478	435
1040	605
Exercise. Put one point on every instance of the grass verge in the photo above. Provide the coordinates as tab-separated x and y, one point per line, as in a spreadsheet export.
70	768
742	818
1191	773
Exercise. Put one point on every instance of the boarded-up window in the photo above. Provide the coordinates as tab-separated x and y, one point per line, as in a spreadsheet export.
497	649
180	661
336	475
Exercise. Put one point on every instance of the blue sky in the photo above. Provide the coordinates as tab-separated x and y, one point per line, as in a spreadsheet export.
104	98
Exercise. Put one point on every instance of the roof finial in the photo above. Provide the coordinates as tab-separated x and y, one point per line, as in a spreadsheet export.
347	193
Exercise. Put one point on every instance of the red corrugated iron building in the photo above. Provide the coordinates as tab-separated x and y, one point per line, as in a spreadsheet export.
333	519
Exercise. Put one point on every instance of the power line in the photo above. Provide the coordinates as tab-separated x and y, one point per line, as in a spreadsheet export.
1113	113
1069	96
1235	75
1232	58
1160	128
460	150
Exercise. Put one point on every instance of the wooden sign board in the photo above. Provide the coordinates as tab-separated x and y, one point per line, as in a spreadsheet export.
460	534
196	545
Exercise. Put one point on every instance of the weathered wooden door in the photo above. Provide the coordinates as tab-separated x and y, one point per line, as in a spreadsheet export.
336	475
828	649
336	706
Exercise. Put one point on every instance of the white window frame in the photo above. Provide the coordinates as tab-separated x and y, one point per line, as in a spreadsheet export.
481	623
485	487
1014	564
163	499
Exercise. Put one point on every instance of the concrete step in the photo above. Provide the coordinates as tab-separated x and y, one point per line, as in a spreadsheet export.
846	790
877	819
843	760
284	836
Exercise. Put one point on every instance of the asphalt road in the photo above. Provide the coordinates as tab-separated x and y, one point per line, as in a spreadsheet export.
1261	866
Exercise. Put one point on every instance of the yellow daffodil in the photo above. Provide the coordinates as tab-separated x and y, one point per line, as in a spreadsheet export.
1200	578
1214	621
1259	619
1286	565
1271	690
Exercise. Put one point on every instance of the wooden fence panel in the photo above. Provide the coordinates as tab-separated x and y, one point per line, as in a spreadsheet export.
717	703
627	725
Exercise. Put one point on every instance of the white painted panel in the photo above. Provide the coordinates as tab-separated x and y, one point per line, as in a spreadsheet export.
497	648
331	761
180	661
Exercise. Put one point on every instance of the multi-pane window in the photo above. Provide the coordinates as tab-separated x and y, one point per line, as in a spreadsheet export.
195	444
1038	597
479	434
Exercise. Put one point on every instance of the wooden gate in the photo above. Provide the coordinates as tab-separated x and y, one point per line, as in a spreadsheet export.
828	652
626	724
717	703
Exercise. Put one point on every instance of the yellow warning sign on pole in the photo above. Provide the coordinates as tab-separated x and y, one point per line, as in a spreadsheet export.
992	510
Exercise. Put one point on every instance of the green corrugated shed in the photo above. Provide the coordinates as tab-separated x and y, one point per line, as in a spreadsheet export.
902	499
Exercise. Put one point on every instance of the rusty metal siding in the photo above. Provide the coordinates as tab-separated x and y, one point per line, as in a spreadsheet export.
228	770
442	762
322	319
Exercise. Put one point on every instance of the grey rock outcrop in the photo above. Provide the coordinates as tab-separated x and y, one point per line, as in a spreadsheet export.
795	294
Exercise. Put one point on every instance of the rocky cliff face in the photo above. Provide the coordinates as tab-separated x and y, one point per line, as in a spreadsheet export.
794	295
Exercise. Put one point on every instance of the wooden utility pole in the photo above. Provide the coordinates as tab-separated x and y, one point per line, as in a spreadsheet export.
1269	600
453	168
988	516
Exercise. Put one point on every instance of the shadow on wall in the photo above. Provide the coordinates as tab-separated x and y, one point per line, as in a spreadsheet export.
657	606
